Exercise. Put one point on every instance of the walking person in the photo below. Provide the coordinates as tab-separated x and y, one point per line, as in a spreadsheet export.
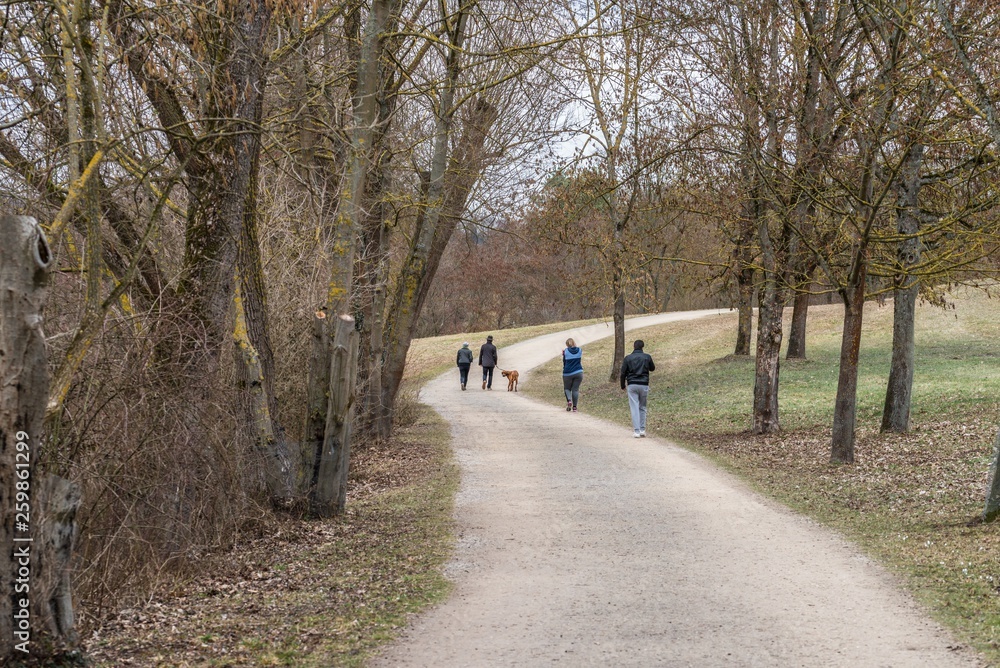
634	378
464	361
488	359
572	373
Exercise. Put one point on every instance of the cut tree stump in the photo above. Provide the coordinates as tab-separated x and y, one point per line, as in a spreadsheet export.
37	514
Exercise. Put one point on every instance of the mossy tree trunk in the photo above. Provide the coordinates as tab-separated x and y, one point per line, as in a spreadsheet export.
219	153
370	85
328	491
466	165
896	413
434	228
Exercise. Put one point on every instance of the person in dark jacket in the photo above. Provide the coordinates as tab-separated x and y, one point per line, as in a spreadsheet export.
464	361
488	359
634	378
572	373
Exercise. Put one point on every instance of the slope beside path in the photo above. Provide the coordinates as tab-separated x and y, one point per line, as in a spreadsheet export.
581	546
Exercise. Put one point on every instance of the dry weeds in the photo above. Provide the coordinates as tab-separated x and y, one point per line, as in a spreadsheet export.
310	592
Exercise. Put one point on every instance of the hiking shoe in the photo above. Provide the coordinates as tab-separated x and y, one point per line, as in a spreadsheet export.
463	386
636	435
569	406
574	409
484	384
642	434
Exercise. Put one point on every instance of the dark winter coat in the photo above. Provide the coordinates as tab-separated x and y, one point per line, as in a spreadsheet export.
636	368
464	356
488	355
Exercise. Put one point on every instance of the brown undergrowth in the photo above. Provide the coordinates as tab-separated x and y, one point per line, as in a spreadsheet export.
310	592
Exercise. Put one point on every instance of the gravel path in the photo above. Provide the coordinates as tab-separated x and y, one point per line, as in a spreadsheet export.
581	546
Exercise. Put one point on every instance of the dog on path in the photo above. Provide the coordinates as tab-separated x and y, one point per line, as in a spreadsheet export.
511	377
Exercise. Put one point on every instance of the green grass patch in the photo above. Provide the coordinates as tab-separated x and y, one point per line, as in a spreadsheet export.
910	500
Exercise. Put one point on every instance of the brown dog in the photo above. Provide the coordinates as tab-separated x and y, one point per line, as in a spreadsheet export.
511	377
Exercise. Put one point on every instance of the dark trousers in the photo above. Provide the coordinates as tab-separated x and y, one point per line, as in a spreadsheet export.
488	376
571	386
463	371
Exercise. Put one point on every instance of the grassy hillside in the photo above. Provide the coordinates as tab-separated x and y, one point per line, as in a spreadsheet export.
911	500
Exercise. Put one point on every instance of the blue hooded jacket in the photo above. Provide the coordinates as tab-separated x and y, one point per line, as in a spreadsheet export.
572	361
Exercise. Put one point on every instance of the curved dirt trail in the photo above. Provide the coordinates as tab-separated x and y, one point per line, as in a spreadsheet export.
582	546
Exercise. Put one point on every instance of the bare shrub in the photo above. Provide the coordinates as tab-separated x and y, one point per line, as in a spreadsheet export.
407	408
159	489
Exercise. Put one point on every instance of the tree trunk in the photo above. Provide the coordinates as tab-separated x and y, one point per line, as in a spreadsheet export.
256	401
370	295
370	93
222	181
371	81
800	315
466	166
35	606
752	213
853	292
618	291
317	398
770	313
992	509
254	354
329	489
618	275
373	269
59	500
896	413
744	307
452	176
766	371
845	407
813	140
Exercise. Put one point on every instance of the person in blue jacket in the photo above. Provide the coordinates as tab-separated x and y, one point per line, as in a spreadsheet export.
572	374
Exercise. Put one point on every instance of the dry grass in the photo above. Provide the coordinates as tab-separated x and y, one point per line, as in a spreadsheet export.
433	356
311	593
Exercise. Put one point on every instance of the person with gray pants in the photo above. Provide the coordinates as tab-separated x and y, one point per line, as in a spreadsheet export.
634	378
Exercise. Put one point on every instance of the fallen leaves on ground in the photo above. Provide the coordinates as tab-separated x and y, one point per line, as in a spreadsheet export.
309	592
